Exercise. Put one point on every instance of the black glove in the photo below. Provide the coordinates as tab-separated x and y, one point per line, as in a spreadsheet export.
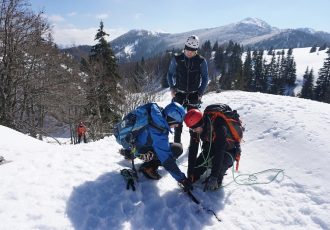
127	153
186	184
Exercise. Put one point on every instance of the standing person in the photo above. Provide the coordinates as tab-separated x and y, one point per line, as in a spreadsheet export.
188	78
152	143
81	130
215	148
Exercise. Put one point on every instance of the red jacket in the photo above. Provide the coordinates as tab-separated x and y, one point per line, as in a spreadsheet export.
81	130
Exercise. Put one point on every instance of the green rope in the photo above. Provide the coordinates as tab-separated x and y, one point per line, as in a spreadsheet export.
252	178
207	159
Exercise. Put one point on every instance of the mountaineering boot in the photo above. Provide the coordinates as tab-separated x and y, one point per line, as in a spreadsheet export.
149	169
213	183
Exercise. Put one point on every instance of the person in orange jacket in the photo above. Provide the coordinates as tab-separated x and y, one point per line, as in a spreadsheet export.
81	130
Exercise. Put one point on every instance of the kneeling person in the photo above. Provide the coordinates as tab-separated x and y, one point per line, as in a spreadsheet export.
152	143
214	148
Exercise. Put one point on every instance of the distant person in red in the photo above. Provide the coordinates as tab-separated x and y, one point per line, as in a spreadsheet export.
81	130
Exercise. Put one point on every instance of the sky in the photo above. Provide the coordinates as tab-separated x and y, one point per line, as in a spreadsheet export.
75	22
79	187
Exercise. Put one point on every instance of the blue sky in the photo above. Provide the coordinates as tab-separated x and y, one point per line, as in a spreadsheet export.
75	22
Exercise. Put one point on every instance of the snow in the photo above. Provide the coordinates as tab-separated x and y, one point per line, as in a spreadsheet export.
51	186
255	21
304	59
129	49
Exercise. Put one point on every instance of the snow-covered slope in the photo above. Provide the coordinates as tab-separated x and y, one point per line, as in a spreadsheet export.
48	186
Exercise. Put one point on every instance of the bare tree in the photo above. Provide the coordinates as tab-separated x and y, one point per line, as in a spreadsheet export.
36	79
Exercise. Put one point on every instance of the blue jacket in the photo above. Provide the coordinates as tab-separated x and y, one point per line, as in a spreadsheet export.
157	139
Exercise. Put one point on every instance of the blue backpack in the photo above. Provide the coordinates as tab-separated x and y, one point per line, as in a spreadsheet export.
129	128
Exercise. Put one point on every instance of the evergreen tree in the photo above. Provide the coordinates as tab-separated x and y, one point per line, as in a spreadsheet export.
139	77
313	49
270	51
323	82
276	78
290	73
272	74
259	80
219	59
215	46
206	50
232	69
104	94
281	79
308	85
248	71
323	47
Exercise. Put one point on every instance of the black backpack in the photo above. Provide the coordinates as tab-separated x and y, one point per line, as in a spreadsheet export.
234	125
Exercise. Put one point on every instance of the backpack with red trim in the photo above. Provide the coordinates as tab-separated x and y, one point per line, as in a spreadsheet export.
234	127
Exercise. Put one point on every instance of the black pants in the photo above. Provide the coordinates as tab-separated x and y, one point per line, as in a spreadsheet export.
84	137
176	149
189	101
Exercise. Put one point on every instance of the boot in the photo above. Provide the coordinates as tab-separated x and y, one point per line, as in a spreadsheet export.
149	169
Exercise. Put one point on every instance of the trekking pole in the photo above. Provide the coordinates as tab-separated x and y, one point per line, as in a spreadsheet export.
196	201
134	169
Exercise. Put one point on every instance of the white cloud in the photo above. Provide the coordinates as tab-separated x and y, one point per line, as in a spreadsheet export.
72	14
55	18
72	36
138	15
102	16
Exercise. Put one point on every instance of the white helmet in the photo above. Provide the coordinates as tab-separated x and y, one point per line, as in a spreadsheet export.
192	43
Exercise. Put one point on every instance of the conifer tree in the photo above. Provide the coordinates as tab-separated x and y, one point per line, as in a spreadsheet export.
206	50
215	46
323	47
247	71
272	74
313	49
308	85
290	73
281	79
323	82
104	95
259	80
232	66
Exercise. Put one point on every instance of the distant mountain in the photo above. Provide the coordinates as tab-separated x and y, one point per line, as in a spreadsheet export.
251	32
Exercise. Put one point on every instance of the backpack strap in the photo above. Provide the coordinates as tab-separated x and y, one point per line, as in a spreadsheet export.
227	120
151	122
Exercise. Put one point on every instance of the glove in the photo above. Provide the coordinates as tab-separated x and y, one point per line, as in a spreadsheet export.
193	178
186	185
211	183
127	154
173	92
200	97
146	157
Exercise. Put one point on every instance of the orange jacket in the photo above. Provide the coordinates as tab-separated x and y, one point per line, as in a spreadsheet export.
81	130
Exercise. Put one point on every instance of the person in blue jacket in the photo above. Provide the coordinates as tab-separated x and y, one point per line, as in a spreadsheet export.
153	147
188	79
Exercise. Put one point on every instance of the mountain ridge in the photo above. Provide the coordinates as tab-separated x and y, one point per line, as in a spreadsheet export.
252	32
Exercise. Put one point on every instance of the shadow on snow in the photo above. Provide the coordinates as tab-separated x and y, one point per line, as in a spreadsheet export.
106	204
